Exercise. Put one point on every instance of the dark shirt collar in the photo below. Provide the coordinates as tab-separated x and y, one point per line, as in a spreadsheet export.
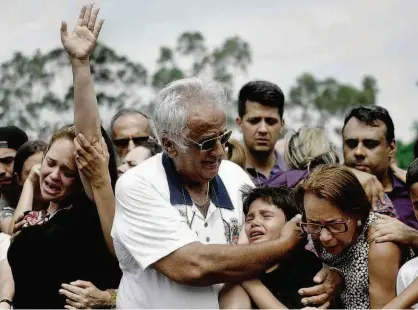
179	196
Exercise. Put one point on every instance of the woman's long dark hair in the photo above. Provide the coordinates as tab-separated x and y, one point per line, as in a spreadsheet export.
113	167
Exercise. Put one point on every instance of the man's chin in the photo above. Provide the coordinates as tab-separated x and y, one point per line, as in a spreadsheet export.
262	150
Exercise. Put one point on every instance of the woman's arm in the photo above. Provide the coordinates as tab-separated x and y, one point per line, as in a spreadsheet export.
384	262
7	284
79	45
261	295
406	299
26	197
233	296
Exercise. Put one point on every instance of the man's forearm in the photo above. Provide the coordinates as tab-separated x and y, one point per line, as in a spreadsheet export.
7	288
204	265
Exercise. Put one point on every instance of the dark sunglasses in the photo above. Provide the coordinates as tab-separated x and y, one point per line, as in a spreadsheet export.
125	141
210	144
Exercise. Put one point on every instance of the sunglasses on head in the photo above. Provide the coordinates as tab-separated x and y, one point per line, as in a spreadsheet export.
125	141
210	144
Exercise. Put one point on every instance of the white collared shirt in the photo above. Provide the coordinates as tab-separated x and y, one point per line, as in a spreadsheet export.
148	227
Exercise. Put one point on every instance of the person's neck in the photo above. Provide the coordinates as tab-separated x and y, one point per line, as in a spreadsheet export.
52	207
386	178
262	161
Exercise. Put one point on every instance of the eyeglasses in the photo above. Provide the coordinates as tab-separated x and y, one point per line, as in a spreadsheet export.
125	141
333	228
210	144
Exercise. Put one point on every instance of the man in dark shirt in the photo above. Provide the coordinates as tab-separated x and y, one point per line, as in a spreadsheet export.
369	146
260	118
11	139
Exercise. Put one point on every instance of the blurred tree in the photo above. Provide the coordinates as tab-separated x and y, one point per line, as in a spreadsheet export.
191	57
36	91
406	152
328	98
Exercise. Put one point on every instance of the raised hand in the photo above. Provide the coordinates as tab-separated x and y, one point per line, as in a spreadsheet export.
81	42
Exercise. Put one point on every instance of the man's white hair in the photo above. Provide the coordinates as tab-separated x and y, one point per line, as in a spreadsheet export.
175	102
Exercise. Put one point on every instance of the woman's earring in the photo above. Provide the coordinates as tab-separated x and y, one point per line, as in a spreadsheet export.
359	223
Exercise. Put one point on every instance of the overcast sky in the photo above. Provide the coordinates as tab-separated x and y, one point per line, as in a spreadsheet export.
342	39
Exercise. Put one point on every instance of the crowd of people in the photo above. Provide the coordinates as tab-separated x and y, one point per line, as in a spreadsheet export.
170	212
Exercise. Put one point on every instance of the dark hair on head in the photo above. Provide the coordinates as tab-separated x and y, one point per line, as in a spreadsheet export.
122	112
412	173
282	197
263	92
338	185
153	146
370	115
28	149
112	166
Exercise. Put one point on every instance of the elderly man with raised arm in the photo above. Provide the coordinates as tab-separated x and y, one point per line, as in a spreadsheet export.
179	213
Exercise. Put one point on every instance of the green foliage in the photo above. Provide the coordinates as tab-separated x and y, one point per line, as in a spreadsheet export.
329	97
404	154
33	85
221	63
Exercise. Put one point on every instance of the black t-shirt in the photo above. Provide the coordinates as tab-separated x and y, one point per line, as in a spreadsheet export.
294	273
69	247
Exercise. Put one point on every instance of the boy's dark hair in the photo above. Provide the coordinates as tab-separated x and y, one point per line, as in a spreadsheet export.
282	197
263	92
370	115
412	173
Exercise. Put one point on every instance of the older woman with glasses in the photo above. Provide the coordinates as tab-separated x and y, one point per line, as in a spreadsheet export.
337	214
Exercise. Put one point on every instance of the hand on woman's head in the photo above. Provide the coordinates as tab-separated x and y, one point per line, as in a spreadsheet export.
92	163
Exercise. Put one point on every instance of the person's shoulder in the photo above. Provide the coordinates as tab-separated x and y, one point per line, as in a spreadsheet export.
148	171
230	170
382	250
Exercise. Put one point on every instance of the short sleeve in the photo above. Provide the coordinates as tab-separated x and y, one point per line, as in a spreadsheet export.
145	223
4	245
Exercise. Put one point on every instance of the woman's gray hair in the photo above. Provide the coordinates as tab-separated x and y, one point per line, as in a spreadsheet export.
175	102
308	148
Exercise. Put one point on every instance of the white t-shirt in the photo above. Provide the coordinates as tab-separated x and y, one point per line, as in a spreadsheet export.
4	245
155	217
